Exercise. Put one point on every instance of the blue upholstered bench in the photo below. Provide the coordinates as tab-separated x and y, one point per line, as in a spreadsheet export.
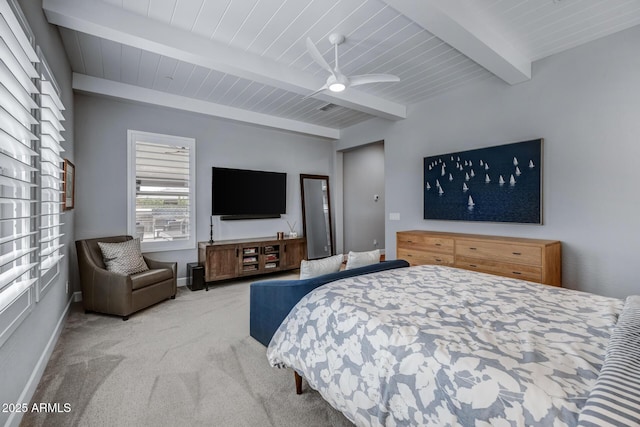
272	300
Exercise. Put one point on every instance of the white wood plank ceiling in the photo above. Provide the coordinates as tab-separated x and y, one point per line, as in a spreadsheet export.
247	60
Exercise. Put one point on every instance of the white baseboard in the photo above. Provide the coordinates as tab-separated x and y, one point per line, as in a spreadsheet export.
30	388
182	281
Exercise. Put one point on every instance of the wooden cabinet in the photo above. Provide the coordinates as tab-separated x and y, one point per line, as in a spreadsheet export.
293	252
418	249
228	259
535	260
220	261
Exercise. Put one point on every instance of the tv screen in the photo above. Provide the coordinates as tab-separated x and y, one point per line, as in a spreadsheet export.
241	193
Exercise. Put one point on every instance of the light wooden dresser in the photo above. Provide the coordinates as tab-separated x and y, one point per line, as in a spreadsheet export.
528	259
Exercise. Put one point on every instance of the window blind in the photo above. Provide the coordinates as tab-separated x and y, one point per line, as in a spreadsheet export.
51	118
162	192
18	159
30	171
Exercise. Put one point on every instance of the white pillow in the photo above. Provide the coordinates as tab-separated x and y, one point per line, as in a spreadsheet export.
360	259
318	267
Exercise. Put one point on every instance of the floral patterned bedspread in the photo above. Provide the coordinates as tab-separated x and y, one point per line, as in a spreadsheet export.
434	345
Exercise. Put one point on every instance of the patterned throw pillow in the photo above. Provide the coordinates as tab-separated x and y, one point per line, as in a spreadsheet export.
123	258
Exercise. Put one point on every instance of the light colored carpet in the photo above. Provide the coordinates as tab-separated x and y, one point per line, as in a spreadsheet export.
183	362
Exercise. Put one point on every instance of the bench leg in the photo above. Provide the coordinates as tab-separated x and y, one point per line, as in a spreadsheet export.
298	382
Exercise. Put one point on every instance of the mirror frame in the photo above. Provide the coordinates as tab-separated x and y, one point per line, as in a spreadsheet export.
304	216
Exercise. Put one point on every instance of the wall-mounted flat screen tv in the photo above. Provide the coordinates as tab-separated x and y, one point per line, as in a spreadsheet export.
248	194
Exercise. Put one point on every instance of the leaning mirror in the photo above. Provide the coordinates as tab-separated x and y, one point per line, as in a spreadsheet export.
316	215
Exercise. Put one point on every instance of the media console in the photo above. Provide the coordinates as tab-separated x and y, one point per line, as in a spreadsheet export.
229	259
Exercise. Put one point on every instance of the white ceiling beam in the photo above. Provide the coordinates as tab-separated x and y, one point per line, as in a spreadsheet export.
459	24
95	85
106	21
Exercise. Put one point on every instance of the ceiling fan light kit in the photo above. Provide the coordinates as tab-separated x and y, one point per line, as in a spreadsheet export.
338	82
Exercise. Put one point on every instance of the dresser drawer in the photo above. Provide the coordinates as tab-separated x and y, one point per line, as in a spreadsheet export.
415	257
517	271
507	252
425	243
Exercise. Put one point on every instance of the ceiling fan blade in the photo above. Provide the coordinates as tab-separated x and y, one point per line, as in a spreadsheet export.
315	54
373	78
323	88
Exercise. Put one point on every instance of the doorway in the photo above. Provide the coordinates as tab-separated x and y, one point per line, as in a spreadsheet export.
363	198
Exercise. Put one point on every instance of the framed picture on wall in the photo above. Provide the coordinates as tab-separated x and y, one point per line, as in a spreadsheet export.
496	184
69	185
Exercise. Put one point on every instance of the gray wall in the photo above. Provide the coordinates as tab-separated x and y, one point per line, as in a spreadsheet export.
363	178
585	103
101	153
25	354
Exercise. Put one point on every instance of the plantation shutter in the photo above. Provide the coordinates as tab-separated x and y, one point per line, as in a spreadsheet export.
51	118
18	160
162	191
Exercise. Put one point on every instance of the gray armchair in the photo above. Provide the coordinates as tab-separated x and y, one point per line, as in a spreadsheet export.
111	293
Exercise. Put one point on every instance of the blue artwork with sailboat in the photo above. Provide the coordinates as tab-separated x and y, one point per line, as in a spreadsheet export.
497	184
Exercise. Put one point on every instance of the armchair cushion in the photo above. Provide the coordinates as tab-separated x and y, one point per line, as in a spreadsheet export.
123	258
149	277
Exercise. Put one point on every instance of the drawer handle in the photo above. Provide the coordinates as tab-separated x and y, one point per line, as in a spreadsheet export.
438	260
409	255
410	241
473	249
516	272
517	253
438	244
472	265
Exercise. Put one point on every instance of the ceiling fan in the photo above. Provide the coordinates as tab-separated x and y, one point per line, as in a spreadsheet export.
337	82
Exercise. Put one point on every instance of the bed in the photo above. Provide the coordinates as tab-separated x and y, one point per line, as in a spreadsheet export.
434	345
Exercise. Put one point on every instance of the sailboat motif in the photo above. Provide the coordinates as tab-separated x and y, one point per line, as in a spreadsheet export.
443	166
517	171
501	180
437	183
450	177
531	164
464	186
481	162
440	191
472	173
466	176
515	162
512	180
486	178
428	186
486	166
470	203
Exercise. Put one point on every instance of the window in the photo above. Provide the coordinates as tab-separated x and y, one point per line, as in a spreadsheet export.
161	191
30	191
51	171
